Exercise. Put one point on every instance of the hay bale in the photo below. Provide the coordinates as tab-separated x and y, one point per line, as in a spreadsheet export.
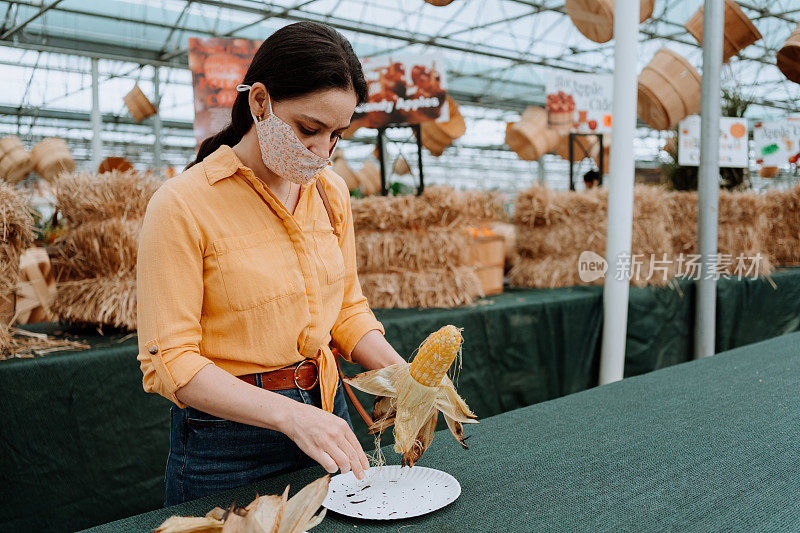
448	287
742	230
555	227
378	251
782	213
104	301
85	196
16	233
438	206
98	248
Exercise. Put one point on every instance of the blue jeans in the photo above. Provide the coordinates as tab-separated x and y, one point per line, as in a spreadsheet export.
209	454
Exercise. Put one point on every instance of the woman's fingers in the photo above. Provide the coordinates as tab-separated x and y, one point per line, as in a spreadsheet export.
361	456
355	460
324	459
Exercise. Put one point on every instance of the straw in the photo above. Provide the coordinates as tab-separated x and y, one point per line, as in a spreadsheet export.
105	301
85	196
449	287
378	251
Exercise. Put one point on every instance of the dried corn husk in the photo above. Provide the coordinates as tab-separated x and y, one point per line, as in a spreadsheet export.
413	407
265	514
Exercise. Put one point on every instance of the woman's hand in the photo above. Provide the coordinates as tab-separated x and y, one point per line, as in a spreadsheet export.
327	439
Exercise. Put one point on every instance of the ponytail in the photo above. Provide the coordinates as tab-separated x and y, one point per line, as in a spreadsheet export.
232	133
296	60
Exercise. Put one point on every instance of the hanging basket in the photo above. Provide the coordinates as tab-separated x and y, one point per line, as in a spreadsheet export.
789	56
739	30
669	90
138	104
15	162
342	168
768	172
583	146
595	18
52	157
401	167
530	138
436	136
369	179
114	163
439	3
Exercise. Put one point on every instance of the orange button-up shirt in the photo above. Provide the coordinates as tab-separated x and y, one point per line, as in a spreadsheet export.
226	275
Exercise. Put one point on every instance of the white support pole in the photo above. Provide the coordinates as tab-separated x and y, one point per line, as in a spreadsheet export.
157	120
620	191
540	167
97	118
708	179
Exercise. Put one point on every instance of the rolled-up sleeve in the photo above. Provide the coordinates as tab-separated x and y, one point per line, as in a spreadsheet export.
355	318
169	292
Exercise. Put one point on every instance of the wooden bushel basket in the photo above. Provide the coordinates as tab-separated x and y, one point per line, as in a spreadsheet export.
15	162
739	30
138	104
436	136
530	138
114	163
583	146
52	157
669	90
768	172
789	56
369	179
595	18
401	167
342	168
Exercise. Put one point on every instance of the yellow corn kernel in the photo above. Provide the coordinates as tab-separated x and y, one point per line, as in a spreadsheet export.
436	355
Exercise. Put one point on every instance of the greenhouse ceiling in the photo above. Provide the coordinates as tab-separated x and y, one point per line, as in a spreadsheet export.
497	53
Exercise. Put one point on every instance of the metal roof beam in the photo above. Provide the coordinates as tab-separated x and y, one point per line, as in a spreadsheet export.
44	9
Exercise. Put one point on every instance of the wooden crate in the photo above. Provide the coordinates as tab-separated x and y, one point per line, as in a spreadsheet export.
487	255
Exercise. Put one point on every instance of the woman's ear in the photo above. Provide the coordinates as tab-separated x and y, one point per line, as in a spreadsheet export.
257	99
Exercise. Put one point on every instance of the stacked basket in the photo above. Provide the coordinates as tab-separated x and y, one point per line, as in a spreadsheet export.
15	162
96	262
413	251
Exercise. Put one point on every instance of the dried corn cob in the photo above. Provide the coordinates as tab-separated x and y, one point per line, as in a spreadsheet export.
410	396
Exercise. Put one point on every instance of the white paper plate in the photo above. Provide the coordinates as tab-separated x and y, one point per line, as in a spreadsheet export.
391	493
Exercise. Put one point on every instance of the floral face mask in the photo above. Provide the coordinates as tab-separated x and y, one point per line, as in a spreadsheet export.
281	150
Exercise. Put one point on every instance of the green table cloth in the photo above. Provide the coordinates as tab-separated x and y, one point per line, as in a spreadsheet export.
80	437
709	445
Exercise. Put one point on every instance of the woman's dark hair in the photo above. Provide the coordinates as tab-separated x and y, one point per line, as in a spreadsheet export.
296	60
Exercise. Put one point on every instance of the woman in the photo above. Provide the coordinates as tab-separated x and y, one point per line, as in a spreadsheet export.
243	281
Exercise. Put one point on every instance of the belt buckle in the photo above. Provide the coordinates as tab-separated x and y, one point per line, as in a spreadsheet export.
294	376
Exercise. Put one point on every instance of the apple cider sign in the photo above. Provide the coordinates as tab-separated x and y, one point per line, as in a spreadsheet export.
218	66
402	90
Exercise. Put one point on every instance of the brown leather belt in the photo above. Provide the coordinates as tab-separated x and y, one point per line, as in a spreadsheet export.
302	376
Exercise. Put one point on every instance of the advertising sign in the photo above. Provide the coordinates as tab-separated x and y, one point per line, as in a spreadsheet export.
217	66
579	102
406	89
777	142
732	142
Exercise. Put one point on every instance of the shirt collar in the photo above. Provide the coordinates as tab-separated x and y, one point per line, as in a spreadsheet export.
221	164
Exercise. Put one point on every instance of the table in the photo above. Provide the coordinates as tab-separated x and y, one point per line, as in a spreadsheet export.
80	438
706	445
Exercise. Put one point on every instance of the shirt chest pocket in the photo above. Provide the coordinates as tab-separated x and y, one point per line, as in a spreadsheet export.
253	269
328	251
